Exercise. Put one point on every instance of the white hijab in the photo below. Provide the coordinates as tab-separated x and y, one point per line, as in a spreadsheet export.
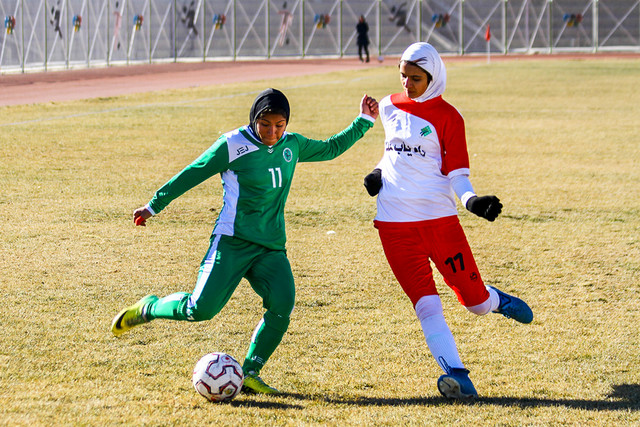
427	58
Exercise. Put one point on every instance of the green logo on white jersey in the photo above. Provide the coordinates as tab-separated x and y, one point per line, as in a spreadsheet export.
425	131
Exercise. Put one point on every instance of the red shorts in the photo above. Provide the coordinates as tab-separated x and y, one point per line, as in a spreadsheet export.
409	247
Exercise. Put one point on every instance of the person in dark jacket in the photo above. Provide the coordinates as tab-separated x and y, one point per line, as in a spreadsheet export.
363	37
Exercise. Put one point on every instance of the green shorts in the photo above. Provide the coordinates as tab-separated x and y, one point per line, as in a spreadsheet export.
227	261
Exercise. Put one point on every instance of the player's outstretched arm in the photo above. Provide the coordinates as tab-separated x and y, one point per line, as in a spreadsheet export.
321	150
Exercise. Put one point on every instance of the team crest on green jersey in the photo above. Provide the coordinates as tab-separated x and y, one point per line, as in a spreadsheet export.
287	154
425	131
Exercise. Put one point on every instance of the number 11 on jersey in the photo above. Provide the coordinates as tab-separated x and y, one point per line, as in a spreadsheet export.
277	180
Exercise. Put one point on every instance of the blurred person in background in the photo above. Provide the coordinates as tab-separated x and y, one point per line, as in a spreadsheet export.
362	28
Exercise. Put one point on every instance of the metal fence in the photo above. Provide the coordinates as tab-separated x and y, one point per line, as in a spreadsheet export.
59	34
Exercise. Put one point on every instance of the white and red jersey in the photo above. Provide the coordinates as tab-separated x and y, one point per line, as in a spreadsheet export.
425	146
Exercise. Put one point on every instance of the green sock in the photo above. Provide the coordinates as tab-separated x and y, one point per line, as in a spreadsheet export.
170	307
266	338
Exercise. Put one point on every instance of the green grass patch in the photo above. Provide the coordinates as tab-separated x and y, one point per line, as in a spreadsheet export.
557	141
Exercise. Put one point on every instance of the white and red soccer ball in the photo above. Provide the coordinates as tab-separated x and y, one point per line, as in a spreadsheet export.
218	377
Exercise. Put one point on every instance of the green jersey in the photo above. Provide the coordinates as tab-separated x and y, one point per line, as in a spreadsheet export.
256	179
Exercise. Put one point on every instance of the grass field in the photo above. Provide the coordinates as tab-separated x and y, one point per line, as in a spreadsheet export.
557	141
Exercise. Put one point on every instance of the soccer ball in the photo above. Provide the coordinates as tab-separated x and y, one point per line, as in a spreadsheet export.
218	377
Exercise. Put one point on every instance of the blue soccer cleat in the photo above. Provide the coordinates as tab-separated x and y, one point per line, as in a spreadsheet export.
513	307
457	385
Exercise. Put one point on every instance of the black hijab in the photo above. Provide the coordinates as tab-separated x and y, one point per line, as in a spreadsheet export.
268	101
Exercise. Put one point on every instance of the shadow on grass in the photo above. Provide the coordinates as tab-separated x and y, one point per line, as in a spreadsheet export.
623	397
264	404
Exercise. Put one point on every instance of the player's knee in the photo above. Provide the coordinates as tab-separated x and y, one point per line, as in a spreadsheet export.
279	322
200	312
283	305
429	306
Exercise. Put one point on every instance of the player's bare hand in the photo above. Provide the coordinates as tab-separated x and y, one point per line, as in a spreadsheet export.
369	106
141	215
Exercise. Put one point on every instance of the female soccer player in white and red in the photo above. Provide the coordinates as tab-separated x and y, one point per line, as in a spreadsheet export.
424	163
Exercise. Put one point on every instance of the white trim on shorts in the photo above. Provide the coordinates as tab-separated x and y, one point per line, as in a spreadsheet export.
207	268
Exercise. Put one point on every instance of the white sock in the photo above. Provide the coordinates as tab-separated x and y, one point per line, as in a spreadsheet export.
437	333
491	304
494	298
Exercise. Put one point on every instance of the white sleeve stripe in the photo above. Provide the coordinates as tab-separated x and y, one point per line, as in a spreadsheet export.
465	197
368	117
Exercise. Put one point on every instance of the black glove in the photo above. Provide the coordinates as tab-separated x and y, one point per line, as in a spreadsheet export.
488	207
373	182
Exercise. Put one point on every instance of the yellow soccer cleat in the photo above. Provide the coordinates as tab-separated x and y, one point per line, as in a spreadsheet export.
131	316
254	384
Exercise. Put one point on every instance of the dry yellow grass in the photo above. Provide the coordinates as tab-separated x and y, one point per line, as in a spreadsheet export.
557	141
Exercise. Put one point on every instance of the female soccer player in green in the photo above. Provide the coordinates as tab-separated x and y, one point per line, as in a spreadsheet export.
256	163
